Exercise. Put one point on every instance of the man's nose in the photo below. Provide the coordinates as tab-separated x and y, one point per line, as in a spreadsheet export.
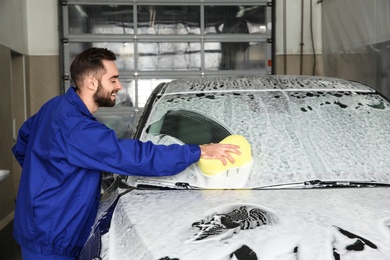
120	85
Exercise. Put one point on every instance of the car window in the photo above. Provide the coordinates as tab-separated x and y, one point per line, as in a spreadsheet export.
189	127
294	135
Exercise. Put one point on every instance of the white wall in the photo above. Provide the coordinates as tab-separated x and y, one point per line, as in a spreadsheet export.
13	25
29	26
42	27
293	28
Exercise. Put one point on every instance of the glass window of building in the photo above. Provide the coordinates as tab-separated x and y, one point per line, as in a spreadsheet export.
165	40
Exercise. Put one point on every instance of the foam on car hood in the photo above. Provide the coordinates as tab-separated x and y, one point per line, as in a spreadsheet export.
324	224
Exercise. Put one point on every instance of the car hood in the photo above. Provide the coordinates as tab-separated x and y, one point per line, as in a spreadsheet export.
305	224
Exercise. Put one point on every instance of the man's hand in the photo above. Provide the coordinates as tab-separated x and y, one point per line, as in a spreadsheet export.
219	151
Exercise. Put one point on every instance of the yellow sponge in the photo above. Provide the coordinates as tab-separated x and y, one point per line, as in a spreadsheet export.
212	167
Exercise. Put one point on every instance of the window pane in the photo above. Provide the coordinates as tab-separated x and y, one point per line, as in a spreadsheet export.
101	19
190	127
124	52
119	119
126	96
235	55
169	56
235	19
145	88
168	19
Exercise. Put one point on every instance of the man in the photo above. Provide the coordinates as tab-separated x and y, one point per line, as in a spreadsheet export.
63	149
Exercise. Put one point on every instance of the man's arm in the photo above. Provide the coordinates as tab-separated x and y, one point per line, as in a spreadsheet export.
20	147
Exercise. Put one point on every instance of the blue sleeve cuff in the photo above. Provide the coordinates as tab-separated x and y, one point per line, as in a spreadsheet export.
194	152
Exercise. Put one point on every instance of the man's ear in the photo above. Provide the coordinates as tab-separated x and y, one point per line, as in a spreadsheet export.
91	83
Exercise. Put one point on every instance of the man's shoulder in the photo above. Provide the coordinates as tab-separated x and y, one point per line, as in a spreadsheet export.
61	110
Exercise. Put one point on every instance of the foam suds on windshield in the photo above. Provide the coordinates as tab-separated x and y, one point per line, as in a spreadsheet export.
297	136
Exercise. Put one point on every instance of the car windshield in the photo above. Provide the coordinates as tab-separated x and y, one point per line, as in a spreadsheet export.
294	135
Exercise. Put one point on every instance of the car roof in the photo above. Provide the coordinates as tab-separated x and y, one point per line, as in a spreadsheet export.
263	83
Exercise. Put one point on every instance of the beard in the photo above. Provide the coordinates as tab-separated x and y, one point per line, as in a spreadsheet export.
102	98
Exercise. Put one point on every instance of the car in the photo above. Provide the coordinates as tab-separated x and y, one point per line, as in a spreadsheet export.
317	185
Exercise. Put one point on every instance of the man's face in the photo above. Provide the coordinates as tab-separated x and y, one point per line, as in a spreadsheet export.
108	86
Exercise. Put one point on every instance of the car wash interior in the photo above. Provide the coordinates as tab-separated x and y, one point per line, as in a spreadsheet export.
159	41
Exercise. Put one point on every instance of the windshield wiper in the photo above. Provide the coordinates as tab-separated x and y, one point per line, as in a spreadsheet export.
162	185
312	184
341	184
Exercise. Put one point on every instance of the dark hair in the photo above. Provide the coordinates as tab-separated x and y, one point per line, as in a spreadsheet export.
89	62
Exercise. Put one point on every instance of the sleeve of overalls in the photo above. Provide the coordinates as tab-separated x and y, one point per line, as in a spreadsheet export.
20	147
94	146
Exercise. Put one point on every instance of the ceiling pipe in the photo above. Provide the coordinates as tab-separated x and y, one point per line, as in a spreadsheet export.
284	38
312	37
301	44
